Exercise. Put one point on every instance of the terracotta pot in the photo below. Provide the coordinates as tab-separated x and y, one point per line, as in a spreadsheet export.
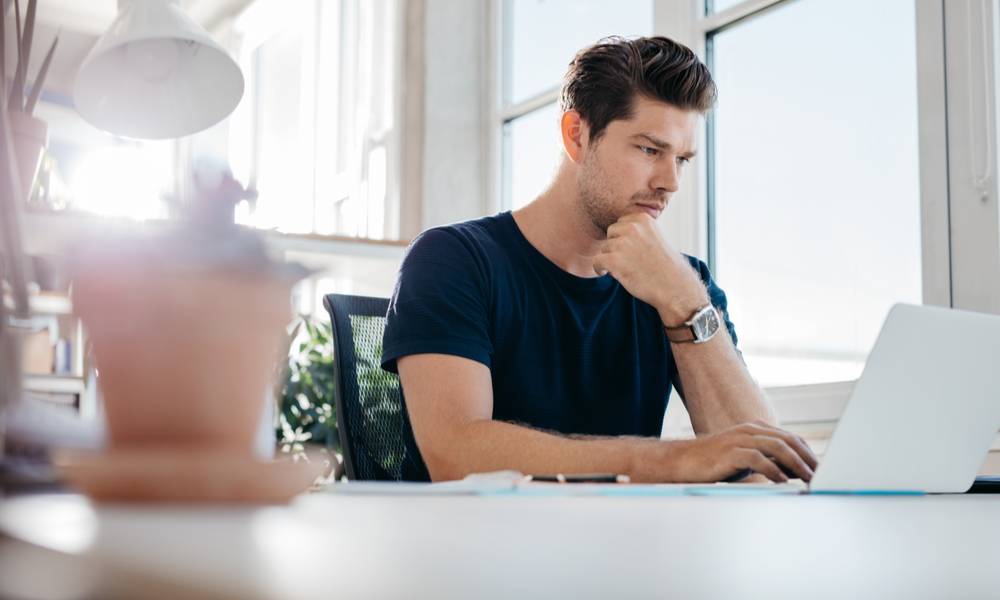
183	357
31	136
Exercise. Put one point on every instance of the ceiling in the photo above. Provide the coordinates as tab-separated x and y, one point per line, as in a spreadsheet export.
81	22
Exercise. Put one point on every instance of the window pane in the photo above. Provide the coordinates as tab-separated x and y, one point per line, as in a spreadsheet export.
722	5
817	190
532	143
546	34
284	176
85	169
317	127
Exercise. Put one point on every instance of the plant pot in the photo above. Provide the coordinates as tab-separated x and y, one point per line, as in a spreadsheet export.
31	136
183	355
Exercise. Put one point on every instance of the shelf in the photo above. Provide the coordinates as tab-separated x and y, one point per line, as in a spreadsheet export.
45	304
58	384
54	233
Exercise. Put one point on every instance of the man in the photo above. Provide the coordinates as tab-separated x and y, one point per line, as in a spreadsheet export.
546	340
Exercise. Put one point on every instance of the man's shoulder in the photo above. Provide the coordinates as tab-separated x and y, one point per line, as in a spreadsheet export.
482	236
699	265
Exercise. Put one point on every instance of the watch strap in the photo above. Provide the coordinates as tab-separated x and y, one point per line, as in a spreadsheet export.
683	333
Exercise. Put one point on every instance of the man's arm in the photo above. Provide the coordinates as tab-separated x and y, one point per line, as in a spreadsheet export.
717	388
450	403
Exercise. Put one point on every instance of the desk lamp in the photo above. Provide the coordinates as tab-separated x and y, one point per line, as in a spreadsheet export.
155	74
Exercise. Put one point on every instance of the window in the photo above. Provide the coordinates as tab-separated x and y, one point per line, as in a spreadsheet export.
814	193
713	7
534	59
317	132
91	171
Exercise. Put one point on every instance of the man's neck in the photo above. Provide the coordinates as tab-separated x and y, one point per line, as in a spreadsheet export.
556	225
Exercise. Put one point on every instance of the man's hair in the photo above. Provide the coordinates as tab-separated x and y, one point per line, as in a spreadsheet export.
604	79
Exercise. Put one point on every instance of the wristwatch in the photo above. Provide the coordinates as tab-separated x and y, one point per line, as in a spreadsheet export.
700	328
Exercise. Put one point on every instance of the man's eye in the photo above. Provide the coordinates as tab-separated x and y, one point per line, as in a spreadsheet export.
683	160
648	150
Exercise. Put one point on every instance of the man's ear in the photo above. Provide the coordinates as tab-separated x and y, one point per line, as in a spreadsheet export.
574	134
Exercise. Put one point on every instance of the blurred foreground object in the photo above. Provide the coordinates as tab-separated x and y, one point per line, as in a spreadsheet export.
14	273
185	323
155	74
30	134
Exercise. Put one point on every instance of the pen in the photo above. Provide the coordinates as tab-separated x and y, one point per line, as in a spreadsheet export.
580	478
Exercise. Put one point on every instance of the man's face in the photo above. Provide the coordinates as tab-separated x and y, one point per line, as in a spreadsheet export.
636	164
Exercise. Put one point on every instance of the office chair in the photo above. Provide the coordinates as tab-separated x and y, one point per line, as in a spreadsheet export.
369	400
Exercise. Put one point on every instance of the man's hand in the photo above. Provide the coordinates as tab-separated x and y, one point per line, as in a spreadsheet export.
652	270
759	446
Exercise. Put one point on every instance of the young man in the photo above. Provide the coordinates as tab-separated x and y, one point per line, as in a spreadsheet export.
546	340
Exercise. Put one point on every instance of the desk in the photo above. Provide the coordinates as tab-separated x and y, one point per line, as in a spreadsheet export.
337	546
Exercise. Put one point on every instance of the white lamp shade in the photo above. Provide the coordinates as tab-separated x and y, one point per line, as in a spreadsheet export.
156	74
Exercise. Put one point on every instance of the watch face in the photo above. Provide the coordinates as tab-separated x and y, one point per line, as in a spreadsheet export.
706	324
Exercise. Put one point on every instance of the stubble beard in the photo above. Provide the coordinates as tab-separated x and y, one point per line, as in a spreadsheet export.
598	198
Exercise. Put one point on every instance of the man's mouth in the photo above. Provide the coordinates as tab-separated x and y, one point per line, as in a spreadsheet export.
652	210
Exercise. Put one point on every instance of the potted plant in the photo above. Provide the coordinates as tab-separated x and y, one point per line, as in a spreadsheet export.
30	134
306	420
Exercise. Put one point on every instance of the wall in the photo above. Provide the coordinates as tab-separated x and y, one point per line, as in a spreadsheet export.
453	171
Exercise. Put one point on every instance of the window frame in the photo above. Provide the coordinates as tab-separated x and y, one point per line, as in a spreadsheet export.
956	236
500	113
952	273
936	212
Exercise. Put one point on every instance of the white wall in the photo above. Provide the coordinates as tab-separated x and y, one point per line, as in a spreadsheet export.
453	172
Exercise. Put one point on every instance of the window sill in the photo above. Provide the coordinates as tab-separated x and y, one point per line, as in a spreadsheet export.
50	233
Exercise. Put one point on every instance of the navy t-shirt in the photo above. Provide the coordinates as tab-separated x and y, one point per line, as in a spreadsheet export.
566	353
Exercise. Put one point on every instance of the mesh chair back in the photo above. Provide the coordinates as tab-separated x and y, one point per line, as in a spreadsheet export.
369	404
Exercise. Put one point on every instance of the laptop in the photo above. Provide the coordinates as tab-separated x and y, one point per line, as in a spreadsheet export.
925	410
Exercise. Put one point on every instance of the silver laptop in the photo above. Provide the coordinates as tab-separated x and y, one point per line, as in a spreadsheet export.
927	407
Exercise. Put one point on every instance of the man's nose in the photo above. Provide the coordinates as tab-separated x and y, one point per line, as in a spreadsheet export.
667	178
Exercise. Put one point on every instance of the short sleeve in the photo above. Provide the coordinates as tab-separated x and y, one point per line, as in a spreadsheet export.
440	302
717	296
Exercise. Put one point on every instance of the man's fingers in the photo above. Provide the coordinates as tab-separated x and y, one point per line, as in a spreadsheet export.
761	464
785	455
800	447
614	230
600	264
609	262
795	442
627	223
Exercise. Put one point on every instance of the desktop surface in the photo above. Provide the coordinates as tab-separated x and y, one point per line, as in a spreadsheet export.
328	545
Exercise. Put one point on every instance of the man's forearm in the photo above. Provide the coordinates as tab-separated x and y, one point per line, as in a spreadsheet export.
482	446
718	390
449	400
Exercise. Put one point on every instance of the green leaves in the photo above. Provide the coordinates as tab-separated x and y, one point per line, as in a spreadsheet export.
307	403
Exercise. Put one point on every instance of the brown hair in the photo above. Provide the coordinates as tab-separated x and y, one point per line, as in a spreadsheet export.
604	79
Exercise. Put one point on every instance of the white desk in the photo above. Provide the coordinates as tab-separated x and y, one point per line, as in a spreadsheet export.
325	546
